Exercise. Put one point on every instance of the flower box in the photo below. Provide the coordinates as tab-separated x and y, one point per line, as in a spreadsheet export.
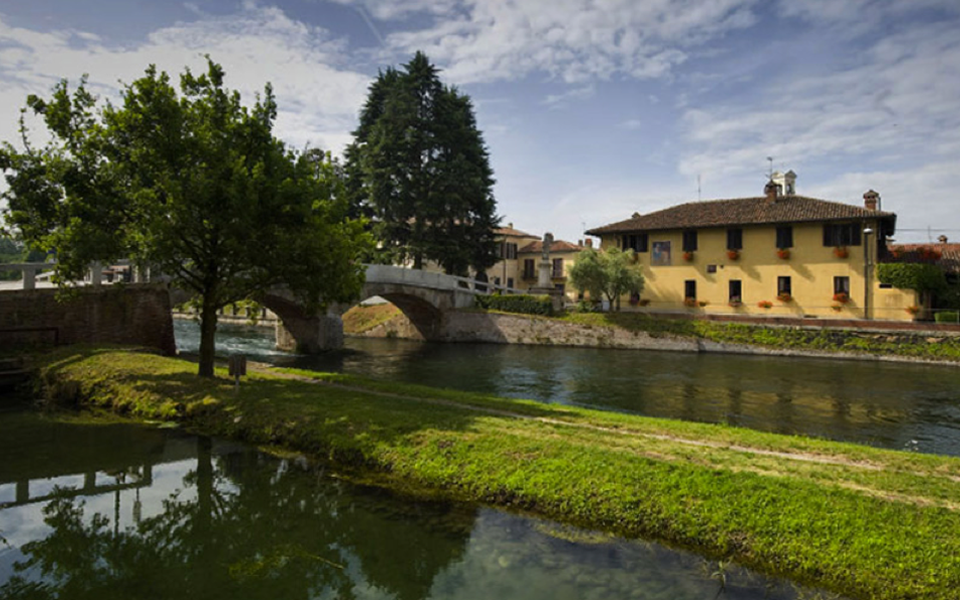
765	304
691	302
837	307
783	253
733	254
702	303
735	302
688	256
841	252
841	297
913	310
784	297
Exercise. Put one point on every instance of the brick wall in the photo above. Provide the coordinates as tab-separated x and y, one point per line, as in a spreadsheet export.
137	314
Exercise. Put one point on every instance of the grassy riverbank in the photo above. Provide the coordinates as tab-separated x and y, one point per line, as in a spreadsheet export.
899	344
865	522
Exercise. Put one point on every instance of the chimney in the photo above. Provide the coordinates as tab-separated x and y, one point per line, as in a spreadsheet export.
942	239
510	225
786	182
771	191
870	200
588	242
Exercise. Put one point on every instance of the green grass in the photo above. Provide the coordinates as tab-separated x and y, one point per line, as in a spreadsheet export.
360	318
861	521
942	348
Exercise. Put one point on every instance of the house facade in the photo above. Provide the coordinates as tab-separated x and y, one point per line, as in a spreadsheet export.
780	254
520	256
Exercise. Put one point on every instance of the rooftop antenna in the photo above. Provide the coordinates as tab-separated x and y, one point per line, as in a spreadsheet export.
698	187
770	171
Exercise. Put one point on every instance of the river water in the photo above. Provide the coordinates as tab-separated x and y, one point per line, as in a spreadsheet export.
892	405
117	511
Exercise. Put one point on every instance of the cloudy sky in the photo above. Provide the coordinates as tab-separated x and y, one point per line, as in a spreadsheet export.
592	109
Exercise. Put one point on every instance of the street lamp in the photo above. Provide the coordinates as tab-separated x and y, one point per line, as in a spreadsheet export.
866	272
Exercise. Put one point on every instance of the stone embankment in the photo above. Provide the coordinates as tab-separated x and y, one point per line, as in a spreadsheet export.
500	328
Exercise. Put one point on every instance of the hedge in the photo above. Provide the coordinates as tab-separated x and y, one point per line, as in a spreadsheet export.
526	304
947	317
912	276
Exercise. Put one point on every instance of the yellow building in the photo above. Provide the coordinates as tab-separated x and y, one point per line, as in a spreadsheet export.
520	255
779	254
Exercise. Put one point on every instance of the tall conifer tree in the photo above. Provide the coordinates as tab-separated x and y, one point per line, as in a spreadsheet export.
419	166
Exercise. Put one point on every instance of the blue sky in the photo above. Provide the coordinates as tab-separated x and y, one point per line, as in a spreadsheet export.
592	109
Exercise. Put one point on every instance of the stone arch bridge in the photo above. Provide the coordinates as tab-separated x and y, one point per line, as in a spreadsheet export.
421	295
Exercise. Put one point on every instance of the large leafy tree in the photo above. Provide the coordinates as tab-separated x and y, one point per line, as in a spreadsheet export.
193	184
419	167
611	273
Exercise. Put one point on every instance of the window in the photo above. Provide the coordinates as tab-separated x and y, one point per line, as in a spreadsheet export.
736	290
784	286
841	285
785	237
510	282
734	239
636	242
846	234
689	241
496	281
508	250
560	288
557	267
529	270
690	288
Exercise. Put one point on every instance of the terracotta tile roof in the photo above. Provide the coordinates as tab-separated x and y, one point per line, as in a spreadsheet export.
742	211
949	255
505	231
558	246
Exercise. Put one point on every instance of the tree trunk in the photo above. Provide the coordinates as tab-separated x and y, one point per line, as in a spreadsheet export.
208	331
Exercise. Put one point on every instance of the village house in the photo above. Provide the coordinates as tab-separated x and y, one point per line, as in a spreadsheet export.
779	254
520	255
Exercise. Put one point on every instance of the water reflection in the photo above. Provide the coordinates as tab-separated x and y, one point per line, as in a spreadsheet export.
173	516
892	405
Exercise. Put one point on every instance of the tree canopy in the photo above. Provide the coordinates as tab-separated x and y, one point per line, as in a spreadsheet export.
611	273
419	167
194	185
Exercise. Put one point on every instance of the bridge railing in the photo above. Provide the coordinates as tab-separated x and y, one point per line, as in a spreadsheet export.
34	272
433	280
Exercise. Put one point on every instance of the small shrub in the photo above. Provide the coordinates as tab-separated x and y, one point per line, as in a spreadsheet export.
947	316
526	304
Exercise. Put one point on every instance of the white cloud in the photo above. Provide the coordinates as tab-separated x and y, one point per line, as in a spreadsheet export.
318	96
897	105
579	93
632	124
573	40
387	10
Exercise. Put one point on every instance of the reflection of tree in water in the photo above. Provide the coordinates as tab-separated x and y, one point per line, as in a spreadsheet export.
258	528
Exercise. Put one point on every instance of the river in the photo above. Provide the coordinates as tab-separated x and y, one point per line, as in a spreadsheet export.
902	406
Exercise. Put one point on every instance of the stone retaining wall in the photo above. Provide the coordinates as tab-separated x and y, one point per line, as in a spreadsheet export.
499	328
137	314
